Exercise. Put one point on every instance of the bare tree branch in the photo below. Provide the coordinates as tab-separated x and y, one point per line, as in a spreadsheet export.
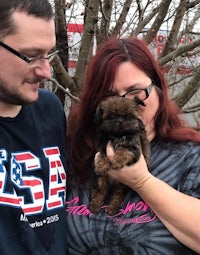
61	31
91	19
190	90
163	9
178	52
106	10
64	79
122	18
171	42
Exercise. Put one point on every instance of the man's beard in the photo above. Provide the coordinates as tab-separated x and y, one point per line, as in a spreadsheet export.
12	96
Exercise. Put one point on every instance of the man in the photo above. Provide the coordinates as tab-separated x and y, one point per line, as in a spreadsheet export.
32	134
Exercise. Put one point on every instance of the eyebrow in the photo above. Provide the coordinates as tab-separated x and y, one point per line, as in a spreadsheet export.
133	87
130	88
36	50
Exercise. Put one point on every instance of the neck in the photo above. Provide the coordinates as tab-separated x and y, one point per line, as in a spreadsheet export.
150	135
8	110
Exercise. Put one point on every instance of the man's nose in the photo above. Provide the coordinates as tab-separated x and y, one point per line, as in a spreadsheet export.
43	70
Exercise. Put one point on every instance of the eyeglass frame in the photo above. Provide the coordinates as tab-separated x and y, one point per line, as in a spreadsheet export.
28	60
146	90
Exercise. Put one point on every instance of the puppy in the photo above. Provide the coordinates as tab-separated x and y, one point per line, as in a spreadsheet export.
117	121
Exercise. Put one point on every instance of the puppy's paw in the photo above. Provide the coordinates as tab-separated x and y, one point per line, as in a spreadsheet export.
94	207
102	165
113	209
122	158
98	193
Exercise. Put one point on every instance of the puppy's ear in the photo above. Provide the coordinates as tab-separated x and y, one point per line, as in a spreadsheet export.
98	115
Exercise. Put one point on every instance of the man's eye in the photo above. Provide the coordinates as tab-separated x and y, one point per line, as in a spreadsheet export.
29	55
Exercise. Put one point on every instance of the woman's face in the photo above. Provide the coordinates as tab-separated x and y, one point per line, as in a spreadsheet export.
129	77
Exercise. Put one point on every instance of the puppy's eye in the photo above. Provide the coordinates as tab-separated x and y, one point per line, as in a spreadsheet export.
112	116
128	116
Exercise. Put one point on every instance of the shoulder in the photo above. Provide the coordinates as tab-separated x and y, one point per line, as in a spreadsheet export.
49	102
174	146
45	96
176	152
48	107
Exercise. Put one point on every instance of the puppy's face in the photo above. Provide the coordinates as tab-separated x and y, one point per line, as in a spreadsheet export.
118	116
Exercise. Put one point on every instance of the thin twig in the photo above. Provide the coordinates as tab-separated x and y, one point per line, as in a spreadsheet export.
65	90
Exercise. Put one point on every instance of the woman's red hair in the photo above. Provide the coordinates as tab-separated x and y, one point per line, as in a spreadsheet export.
99	79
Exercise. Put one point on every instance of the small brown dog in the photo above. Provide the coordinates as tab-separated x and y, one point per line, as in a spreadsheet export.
117	121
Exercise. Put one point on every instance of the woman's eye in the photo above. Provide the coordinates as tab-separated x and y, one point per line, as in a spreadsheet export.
134	92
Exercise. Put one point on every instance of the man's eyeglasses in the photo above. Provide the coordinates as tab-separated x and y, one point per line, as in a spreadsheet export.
32	62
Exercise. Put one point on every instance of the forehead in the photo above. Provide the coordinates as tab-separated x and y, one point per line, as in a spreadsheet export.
128	74
32	31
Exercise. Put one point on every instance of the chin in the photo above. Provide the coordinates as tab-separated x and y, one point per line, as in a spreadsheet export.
33	98
30	98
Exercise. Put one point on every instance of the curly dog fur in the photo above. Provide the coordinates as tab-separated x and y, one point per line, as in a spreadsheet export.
117	121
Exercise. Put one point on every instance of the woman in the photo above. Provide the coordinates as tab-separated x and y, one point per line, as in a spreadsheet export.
161	211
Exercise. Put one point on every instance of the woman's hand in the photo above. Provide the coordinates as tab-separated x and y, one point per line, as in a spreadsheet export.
134	176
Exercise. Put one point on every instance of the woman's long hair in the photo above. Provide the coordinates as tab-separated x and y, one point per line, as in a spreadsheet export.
99	79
